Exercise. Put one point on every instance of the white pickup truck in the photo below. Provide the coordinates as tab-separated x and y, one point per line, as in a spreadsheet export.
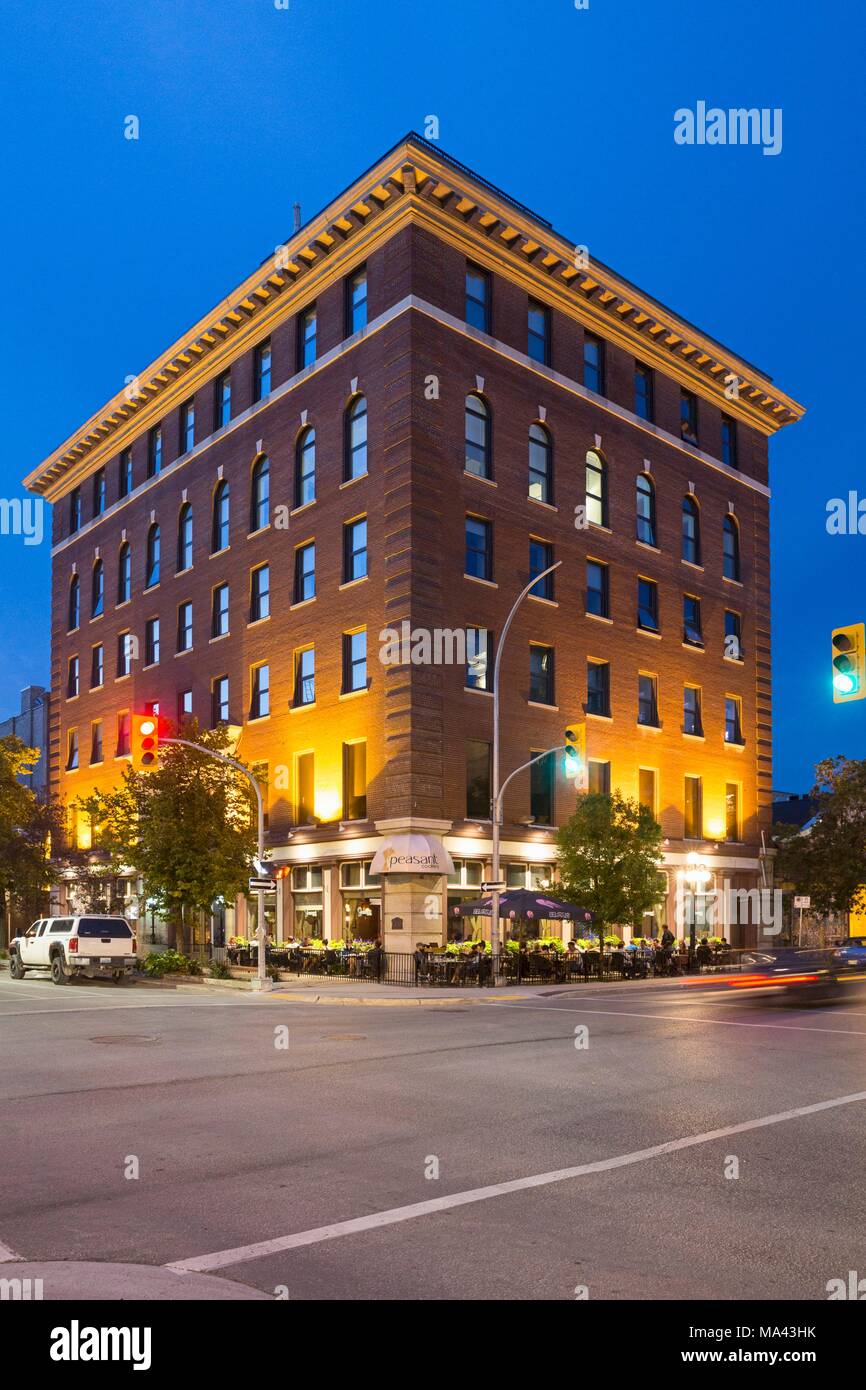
69	946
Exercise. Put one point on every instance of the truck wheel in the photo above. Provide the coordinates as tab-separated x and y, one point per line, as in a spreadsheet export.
16	969
58	974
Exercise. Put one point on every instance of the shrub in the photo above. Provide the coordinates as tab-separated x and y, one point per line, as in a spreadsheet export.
220	970
169	962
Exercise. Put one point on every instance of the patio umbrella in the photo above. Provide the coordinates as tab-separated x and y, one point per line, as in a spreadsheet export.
521	903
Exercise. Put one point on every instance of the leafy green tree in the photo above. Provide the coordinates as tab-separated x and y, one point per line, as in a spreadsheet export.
27	826
609	856
187	828
827	862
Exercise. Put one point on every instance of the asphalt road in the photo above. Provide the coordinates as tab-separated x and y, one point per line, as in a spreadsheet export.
163	1139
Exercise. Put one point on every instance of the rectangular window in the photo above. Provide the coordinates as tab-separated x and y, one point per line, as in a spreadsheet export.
262	371
598	687
305	572
692	717
124	473
260	691
74	509
72	750
184	704
648	605
305	677
729	441
541	788
260	593
648	788
220	611
305	788
479	658
478	560
355	550
355	781
97	666
541	682
478	765
540	559
643	391
593	363
538	332
733	719
598	776
151	642
186	439
356	302
99	492
184	627
219	701
648	701
124	653
222	400
693	808
123	735
96	741
354	661
688	417
733	830
478	298
733	636
693	633
597	589
307	338
154	452
72	678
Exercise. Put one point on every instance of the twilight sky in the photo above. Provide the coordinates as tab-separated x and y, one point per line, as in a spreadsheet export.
114	247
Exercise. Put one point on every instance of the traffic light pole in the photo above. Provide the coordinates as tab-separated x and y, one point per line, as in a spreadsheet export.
261	981
496	792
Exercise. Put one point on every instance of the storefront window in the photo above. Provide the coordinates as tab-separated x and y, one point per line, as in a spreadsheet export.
362	906
308	904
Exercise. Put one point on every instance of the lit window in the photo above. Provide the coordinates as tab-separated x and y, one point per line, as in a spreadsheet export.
596	489
479	658
355	781
540	464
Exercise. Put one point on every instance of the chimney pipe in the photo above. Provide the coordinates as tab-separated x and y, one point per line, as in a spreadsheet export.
297	212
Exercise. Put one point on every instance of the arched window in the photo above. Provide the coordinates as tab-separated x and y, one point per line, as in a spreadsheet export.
98	590
124	573
355	460
305	467
74	603
540	464
220	529
596	488
731	548
260	493
184	537
691	542
478	459
151	568
646	509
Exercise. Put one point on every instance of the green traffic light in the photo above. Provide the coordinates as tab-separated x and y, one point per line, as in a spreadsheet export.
844	683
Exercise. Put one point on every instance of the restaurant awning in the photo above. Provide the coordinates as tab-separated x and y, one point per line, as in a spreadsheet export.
412	854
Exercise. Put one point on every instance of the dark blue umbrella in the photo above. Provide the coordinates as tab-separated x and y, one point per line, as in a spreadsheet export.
531	907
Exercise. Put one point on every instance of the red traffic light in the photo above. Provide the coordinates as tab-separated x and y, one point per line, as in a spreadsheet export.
145	742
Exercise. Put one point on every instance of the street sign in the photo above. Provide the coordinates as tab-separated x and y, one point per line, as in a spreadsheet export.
802	902
493	887
257	884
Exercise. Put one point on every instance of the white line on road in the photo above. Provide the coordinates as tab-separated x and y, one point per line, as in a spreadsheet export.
679	1018
7	1255
241	1253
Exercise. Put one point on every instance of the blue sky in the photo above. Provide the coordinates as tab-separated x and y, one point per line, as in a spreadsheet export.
114	247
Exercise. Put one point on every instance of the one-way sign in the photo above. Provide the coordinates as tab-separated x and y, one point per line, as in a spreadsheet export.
493	887
257	884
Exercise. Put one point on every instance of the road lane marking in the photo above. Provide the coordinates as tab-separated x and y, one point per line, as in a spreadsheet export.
679	1018
376	1220
7	1255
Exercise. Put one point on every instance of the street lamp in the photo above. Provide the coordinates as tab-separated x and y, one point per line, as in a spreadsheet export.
496	798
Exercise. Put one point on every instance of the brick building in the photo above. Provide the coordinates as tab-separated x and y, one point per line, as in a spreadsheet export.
423	398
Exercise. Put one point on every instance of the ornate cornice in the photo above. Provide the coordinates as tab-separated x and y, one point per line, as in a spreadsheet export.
416	182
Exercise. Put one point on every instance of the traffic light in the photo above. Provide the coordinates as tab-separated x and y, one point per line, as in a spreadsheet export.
849	663
145	742
575	754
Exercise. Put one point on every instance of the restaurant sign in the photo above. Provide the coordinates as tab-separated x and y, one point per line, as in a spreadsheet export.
412	854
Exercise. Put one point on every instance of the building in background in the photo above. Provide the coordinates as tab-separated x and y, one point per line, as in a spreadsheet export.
31	726
424	398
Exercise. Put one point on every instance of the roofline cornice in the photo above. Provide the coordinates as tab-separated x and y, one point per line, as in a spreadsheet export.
414	181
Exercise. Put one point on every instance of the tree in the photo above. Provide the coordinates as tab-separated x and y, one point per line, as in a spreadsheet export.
609	856
26	829
827	862
187	828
